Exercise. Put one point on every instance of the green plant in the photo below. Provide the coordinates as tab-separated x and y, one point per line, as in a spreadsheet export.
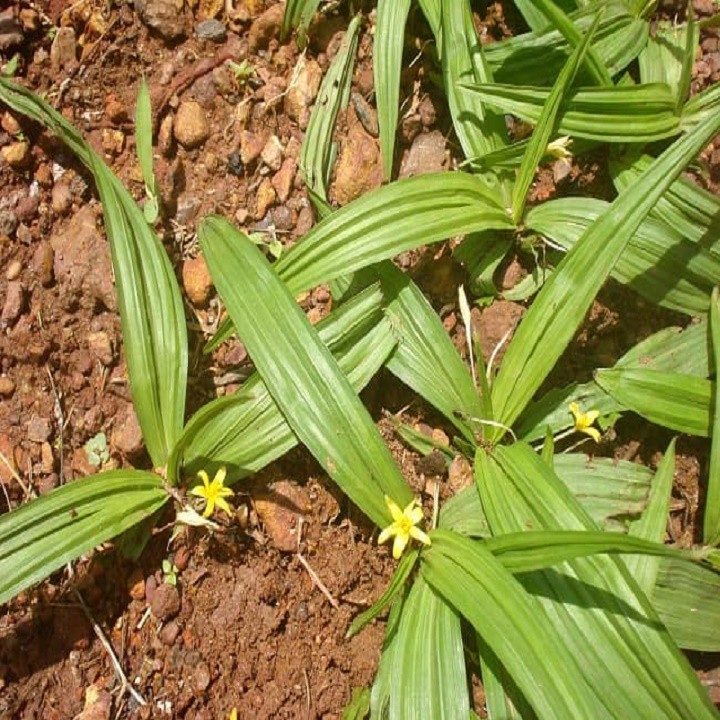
571	609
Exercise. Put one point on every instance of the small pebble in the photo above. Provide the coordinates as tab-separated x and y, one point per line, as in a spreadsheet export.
212	30
7	386
170	633
17	155
165	603
14	270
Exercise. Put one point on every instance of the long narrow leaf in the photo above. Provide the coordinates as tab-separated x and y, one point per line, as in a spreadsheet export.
558	310
387	64
143	143
303	378
45	534
151	309
711	519
298	14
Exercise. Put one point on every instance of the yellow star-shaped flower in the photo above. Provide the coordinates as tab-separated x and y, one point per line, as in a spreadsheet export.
584	421
214	493
403	526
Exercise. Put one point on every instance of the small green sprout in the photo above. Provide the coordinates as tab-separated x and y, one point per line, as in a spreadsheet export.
96	449
170	572
242	71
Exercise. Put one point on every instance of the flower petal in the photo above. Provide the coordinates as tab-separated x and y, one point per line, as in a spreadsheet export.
416	514
223	505
225	492
209	507
204	477
594	433
387	533
575	410
198	491
401	541
220	475
419	535
591	416
395	511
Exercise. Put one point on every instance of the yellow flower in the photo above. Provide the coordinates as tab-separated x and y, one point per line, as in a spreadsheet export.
403	526
233	714
214	493
584	421
559	148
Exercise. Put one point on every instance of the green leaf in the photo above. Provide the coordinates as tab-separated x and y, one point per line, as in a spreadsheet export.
428	679
317	153
245	431
621	114
658	262
479	129
502	613
549	116
606	622
536	58
535	17
399	578
481	254
685	207
316	398
651	525
45	534
711	519
432	11
388	221
298	14
687	598
567	28
560	307
151	308
143	144
679	402
426	359
359	706
387	64
503	699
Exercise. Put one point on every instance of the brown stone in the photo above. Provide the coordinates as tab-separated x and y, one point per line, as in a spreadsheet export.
7	386
165	603
358	168
251	145
61	198
17	155
265	27
127	435
426	155
63	50
302	91
39	429
9	124
283	179
169	633
100	347
272	153
14	270
42	263
197	281
279	508
265	198
136	585
14	303
210	9
191	127
460	474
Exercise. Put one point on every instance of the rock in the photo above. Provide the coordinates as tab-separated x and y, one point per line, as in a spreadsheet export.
9	124
366	114
366	82
61	200
47	461
265	198
432	464
303	91
272	153
113	141
100	347
265	27
44	176
151	586
410	128
127	435
165	603
136	585
426	111
169	633
187	209
493	323
426	155
98	704
63	51
283	218
7	386
304	222
162	17
10	29
48	483
17	155
283	179
42	263
81	463
201	677
210	8
197	281
39	429
8	222
460	474
14	270
14	303
191	126
358	168
27	208
211	29
82	258
165	136
279	508
115	110
251	146
30	20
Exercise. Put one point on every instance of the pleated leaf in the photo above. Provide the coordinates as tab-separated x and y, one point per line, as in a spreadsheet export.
151	308
317	152
711	519
246	431
621	114
54	529
561	305
387	64
428	678
388	221
536	58
651	525
298	14
303	378
606	622
535	17
143	143
680	402
503	614
425	358
658	262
